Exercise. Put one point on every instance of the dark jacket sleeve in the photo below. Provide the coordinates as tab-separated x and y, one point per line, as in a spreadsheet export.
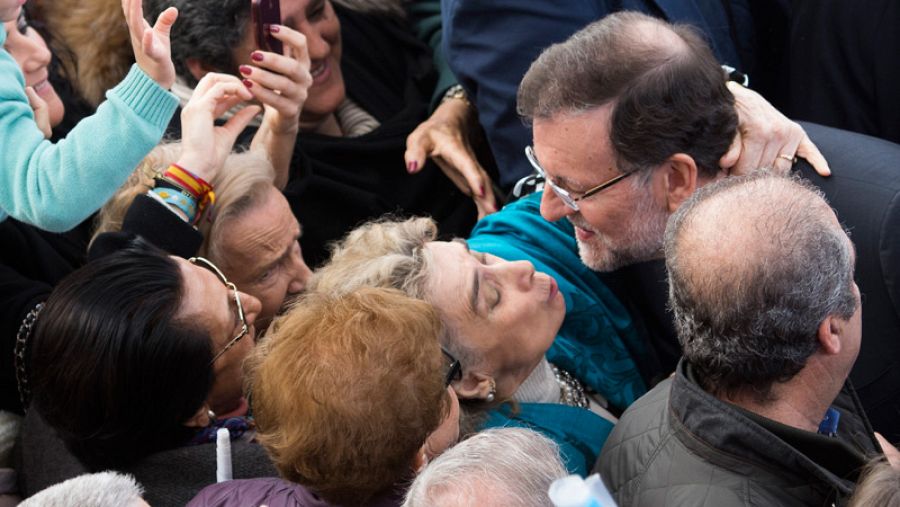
150	219
18	296
426	19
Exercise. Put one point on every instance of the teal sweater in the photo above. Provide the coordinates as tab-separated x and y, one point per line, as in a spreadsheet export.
56	186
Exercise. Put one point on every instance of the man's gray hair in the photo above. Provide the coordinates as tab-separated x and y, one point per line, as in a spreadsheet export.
514	466
755	263
104	489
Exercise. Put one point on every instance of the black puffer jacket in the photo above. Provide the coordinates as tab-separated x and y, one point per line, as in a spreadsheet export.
678	445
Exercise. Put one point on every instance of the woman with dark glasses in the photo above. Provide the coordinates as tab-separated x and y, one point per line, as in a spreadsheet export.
130	359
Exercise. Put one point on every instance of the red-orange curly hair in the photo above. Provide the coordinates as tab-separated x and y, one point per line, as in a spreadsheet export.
347	389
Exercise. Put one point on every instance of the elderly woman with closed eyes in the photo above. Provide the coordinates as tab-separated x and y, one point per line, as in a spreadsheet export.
542	331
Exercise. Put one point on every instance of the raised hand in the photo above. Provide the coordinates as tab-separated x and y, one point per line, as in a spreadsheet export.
41	114
281	83
204	146
151	45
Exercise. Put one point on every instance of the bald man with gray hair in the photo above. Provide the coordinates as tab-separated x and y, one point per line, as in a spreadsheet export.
759	410
494	468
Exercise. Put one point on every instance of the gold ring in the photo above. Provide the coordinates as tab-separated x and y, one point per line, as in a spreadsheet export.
789	158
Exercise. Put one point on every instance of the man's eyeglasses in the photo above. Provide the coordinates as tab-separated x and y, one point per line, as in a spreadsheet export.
564	195
454	368
200	261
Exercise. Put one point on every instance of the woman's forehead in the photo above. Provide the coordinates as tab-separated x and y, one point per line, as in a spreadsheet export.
205	298
453	280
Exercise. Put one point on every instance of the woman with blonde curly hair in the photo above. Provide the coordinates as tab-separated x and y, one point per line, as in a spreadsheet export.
527	320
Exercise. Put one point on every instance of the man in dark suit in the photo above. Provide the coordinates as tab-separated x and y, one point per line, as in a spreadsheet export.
632	115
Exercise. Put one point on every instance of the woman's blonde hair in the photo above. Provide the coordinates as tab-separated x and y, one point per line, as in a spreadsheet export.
347	388
388	252
879	485
381	253
241	182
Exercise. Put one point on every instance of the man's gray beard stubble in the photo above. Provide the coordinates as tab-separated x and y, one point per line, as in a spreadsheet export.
645	230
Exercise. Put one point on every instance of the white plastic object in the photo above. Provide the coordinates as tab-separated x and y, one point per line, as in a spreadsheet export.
223	455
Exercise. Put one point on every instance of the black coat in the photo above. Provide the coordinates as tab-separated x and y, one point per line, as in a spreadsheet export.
864	191
32	262
169	478
842	65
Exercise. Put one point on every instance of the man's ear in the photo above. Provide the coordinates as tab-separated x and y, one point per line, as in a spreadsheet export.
829	334
474	386
420	460
197	68
680	179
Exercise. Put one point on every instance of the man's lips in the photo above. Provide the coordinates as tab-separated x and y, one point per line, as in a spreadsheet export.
583	234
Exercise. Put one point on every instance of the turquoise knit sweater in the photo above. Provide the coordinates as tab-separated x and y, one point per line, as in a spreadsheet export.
56	186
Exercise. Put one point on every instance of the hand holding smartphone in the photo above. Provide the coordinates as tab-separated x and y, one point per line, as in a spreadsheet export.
265	13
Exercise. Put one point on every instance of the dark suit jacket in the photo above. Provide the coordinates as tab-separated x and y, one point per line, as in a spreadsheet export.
864	191
842	66
489	45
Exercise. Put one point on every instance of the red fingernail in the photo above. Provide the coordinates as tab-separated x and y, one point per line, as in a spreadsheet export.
481	190
412	166
256	56
274	28
247	83
245	70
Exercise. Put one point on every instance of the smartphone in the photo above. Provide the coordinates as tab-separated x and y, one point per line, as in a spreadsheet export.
265	13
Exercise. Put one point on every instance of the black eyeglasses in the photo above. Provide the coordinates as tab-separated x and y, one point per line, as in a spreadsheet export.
454	368
200	261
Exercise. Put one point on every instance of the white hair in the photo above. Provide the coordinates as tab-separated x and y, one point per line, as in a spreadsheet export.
501	466
104	489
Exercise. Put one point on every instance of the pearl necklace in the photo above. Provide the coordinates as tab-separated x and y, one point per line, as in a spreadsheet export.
571	390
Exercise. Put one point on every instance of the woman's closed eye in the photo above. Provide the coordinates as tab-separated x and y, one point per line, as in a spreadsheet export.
494	295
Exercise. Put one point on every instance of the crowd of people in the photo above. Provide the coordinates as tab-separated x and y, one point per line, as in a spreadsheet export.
441	253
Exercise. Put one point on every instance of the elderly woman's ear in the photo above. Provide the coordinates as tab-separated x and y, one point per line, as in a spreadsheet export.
200	419
476	386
